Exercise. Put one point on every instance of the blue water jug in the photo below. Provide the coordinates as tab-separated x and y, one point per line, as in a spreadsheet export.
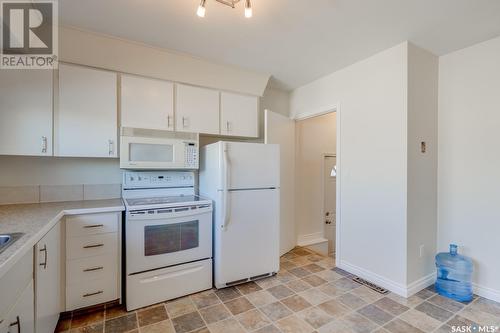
454	275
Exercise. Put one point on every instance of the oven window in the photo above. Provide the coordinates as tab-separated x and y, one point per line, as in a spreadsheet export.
169	238
145	152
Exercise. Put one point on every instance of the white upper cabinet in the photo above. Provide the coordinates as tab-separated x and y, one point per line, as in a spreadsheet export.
147	103
26	112
86	120
239	115
197	110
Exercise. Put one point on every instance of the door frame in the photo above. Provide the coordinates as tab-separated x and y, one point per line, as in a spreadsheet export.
324	155
338	226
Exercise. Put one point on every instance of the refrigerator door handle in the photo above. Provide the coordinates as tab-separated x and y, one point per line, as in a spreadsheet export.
226	186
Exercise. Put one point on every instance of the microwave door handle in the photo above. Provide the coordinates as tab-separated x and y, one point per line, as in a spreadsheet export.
226	175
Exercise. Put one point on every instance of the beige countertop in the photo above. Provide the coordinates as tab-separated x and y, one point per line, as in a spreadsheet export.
35	220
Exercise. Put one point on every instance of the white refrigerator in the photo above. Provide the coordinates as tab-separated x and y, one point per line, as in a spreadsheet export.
243	181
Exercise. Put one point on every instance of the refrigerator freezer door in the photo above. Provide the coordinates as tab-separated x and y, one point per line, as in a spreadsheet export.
248	245
251	165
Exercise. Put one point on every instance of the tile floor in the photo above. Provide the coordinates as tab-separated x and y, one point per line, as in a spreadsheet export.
308	295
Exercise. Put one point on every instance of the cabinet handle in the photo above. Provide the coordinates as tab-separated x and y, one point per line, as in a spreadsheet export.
93	269
111	147
93	294
44	250
44	144
168	121
17	323
93	246
94	226
185	120
228	126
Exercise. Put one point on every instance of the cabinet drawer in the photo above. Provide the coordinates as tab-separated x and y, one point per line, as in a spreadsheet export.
93	245
91	292
91	224
92	268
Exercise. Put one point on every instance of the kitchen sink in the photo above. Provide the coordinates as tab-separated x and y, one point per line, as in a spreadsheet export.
7	240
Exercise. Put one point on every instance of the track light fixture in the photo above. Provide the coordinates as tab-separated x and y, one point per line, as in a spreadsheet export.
231	3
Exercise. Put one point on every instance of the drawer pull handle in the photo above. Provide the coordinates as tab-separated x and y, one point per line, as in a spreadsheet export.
93	246
17	323
93	269
94	294
44	250
94	226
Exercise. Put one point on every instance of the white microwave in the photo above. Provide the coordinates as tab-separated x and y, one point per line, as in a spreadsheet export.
161	150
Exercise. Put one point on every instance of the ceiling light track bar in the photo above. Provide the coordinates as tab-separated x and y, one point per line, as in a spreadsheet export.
230	3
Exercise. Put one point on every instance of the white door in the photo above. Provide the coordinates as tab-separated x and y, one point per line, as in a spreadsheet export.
21	318
248	245
330	195
87	117
197	110
147	103
280	130
251	165
48	280
239	115
26	112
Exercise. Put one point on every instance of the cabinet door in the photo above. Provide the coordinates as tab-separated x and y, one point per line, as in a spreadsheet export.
197	110
21	317
239	115
86	121
26	112
147	103
48	280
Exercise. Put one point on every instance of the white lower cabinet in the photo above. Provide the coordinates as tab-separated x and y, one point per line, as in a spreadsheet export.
92	259
21	319
48	280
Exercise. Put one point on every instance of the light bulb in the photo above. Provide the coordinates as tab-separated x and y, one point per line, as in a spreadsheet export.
201	9
248	9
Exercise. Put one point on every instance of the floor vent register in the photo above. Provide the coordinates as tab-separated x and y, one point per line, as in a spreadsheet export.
370	285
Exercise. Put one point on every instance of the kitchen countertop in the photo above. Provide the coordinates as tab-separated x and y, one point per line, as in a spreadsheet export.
35	220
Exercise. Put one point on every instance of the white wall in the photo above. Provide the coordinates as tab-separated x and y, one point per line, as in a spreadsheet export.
313	138
276	100
29	170
112	53
469	159
422	167
371	95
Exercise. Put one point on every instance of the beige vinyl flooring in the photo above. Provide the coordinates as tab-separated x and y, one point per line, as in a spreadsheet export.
309	294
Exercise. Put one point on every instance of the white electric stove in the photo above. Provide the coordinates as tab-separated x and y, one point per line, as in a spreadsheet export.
168	237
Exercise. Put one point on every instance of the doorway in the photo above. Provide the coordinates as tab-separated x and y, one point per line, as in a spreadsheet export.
330	200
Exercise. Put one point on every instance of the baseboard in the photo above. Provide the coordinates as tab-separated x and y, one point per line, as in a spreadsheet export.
311	239
383	282
486	292
420	284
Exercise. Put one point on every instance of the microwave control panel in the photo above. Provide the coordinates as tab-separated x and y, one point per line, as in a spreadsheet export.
191	155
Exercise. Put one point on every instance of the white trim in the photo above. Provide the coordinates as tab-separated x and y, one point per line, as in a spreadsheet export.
420	284
318	112
393	286
338	206
311	239
486	292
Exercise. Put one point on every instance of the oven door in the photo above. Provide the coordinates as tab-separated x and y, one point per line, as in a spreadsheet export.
165	237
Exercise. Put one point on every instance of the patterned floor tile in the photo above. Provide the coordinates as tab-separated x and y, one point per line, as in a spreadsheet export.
276	311
420	320
314	296
226	326
446	303
352	301
298	285
299	272
205	299
85	319
239	305
376	314
215	313
315	317
121	324
296	303
160	327
152	315
313	268
314	280
293	324
281	291
334	308
94	328
253	320
400	326
188	322
358	323
180	307
260	298
227	294
425	294
391	306
248	288
434	311
268	329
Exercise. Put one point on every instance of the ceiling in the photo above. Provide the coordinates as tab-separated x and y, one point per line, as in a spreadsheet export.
296	41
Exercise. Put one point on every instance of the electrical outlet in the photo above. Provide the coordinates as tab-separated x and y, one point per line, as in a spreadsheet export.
421	250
